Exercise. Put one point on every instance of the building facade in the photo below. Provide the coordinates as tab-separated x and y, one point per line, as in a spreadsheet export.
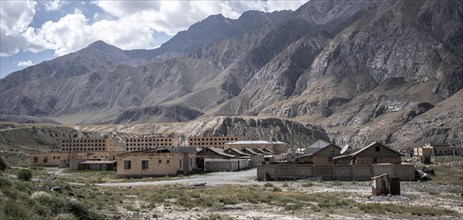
77	149
372	154
320	156
88	144
142	143
217	141
155	162
54	158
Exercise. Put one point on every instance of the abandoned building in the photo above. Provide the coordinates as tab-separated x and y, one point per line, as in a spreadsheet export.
155	162
374	159
214	141
98	165
141	143
275	147
88	144
215	159
75	151
437	150
372	154
320	153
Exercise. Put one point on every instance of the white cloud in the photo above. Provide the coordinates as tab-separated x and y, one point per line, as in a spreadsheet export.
15	17
25	63
129	25
52	5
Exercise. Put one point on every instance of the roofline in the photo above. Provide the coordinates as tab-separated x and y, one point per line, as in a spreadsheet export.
372	144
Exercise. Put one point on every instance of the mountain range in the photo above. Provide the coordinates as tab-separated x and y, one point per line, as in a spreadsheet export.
374	70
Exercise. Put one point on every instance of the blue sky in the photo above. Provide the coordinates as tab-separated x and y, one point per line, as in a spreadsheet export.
35	31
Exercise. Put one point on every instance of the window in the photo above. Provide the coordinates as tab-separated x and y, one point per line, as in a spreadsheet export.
332	148
167	161
45	159
127	164
144	164
180	164
36	159
377	148
159	161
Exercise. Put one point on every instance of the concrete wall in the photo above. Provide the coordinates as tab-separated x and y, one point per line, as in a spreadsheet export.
402	171
256	160
48	159
301	171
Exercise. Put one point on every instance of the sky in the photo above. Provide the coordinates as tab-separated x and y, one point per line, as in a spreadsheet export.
35	31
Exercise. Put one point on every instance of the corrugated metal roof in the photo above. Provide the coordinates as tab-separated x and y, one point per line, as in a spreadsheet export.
315	147
255	142
237	151
217	151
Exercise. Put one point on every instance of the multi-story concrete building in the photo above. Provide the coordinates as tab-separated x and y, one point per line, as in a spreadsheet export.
88	145
217	141
77	150
142	143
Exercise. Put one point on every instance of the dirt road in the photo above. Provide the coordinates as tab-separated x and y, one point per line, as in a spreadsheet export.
245	177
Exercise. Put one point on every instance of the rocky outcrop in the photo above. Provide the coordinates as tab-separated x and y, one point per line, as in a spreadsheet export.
163	113
254	128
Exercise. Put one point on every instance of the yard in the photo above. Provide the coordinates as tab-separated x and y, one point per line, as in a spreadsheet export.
231	195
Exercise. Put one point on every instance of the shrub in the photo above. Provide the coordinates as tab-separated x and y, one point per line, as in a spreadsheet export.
307	184
64	216
3	165
268	185
4	183
25	175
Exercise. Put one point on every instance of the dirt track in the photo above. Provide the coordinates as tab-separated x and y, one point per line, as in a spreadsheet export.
246	177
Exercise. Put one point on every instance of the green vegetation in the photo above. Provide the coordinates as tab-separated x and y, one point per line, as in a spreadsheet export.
378	208
27	200
216	217
3	165
25	174
218	197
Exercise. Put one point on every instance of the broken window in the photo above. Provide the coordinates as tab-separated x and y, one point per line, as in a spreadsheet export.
144	164
127	164
377	148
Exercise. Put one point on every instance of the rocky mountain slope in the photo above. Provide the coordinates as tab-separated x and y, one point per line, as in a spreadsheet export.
364	70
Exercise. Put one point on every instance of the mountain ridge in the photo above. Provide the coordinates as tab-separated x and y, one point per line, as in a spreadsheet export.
334	63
